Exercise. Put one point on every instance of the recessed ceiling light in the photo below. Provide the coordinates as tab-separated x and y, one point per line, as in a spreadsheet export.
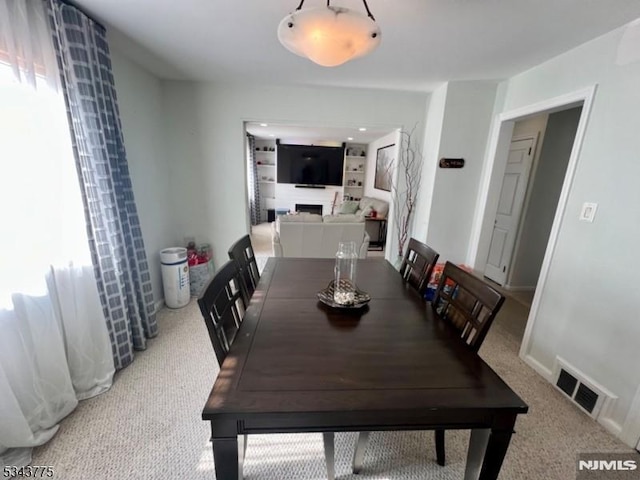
349	138
264	125
271	135
362	129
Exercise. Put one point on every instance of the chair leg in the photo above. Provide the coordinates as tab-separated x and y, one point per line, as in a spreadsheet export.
440	447
244	447
475	454
329	454
242	453
358	454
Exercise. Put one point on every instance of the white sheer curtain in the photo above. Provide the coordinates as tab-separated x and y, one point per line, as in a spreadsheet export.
54	345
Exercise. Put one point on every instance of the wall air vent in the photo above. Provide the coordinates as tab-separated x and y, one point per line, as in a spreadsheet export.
586	398
566	382
592	398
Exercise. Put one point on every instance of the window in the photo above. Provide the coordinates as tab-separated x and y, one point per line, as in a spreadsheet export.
41	221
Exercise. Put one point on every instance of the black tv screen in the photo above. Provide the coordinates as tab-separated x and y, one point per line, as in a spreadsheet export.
310	165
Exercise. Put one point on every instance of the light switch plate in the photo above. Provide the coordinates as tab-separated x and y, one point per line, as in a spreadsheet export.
588	212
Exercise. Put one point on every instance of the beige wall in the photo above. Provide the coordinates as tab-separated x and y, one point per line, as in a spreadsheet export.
587	313
140	98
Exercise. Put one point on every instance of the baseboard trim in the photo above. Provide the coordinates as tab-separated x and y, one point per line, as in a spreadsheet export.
603	417
538	367
158	305
612	427
512	288
630	433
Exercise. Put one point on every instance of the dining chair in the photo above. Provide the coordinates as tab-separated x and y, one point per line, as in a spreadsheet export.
469	306
222	304
417	265
415	269
467	303
242	253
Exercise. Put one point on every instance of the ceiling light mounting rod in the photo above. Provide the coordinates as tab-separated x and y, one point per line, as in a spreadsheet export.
368	11
369	14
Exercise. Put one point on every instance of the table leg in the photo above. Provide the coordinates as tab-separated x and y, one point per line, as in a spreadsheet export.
494	443
226	459
440	452
494	455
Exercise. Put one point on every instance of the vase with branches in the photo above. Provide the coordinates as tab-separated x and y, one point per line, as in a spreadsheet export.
405	187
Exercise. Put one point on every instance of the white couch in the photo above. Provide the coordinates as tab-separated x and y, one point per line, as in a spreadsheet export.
365	206
312	236
380	206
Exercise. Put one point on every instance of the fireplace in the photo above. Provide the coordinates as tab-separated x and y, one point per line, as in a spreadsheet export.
309	208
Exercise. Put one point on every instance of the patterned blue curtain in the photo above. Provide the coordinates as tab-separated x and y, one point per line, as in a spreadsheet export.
115	238
254	185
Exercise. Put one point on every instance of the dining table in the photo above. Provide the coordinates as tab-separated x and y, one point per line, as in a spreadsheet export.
299	365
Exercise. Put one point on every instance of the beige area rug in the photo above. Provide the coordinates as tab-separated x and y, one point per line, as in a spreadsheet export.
148	425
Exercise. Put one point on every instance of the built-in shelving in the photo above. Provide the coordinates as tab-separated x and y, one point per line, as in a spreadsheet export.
355	162
265	156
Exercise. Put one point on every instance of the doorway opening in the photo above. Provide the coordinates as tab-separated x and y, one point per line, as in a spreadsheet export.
537	162
534	153
341	185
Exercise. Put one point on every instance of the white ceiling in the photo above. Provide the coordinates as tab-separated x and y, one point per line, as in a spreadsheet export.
424	42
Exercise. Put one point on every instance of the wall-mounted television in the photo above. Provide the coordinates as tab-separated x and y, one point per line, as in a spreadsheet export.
310	164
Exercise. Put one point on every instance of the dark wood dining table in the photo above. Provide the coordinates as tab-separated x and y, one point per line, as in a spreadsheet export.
297	365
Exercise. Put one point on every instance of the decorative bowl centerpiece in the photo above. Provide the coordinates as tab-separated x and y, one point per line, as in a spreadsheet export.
354	299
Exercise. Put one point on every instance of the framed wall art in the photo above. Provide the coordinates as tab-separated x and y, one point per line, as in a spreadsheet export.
384	168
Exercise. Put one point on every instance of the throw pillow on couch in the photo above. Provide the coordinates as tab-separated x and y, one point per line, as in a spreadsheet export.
349	207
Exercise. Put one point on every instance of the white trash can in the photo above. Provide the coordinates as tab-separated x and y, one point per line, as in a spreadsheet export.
175	276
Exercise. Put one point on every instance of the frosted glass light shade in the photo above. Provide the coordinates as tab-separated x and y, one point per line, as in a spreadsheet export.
329	36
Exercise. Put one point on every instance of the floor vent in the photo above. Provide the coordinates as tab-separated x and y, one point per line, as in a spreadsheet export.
586	398
584	392
566	382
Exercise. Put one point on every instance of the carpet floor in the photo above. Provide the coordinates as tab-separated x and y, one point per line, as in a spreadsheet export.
148	425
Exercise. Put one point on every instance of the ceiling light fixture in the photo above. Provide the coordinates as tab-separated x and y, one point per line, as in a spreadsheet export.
362	129
264	125
329	36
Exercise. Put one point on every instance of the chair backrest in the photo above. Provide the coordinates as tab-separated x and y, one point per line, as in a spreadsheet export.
242	253
466	303
417	265
222	307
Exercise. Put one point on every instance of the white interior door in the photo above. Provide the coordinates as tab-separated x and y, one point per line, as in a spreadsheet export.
505	226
